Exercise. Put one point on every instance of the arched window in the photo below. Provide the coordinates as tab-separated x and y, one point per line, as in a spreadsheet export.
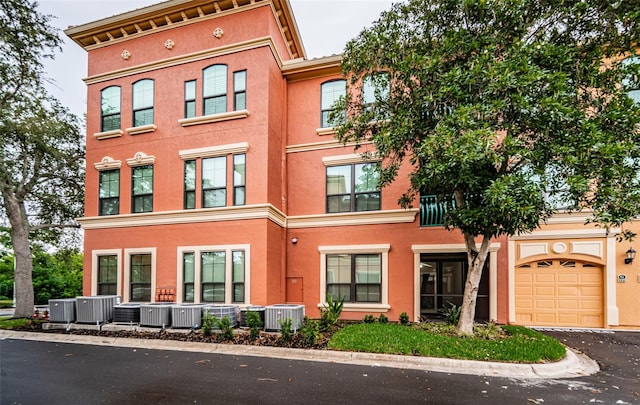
214	89
330	92
143	102
110	109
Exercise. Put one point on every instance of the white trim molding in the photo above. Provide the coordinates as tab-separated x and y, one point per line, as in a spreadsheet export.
95	255
457	248
211	151
126	293
141	159
142	129
107	163
349	159
208	119
326	131
308	147
353	218
383	250
108	134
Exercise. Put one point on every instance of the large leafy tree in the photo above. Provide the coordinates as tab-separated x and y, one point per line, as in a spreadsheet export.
42	152
509	108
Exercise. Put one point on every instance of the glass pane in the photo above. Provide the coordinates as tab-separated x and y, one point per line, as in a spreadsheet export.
143	117
190	200
214	198
338	292
214	172
110	101
338	268
190	90
331	91
452	278
111	122
238	266
367	293
190	109
368	202
340	203
240	81
239	196
215	105
367	176
214	81
238	292
213	267
240	101
142	180
338	179
190	175
110	206
239	170
109	184
189	267
143	94
368	268
188	293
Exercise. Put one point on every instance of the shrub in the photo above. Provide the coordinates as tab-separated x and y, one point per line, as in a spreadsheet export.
254	323
383	319
208	322
369	318
329	316
311	331
226	330
404	318
285	329
451	313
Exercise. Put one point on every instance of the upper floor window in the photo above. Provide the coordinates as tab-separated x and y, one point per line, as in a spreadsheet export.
143	102
330	93
110	109
632	83
109	192
189	184
214	182
239	179
240	90
190	99
353	187
375	87
214	89
142	189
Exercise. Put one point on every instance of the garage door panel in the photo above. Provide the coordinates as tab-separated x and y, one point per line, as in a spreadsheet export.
568	278
542	278
590	278
548	291
568	304
568	291
545	304
594	292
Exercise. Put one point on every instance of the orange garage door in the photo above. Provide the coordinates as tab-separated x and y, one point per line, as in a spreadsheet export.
559	293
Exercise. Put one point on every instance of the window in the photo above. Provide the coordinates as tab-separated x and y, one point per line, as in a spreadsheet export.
140	279
354	277
188	276
190	99
143	103
189	184
109	192
374	88
107	275
142	189
214	89
632	83
239	179
330	93
213	265
353	187
238	276
214	182
110	109
240	90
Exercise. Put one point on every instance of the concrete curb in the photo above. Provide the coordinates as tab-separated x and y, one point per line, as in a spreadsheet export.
573	365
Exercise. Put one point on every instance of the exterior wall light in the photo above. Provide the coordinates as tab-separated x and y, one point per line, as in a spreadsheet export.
294	240
631	254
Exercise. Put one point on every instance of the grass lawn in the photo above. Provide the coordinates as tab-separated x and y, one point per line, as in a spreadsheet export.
12	323
6	303
514	344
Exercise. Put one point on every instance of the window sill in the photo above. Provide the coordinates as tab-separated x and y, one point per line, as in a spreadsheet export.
326	131
207	119
364	307
143	129
108	134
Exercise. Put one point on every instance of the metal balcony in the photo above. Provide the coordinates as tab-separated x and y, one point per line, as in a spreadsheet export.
431	211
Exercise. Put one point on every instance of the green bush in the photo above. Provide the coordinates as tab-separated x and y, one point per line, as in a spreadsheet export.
286	333
311	331
254	323
451	313
383	319
226	330
369	318
208	322
404	318
329	316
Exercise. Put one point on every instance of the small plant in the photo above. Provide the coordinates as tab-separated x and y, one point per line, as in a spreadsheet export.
451	313
285	329
208	322
383	319
254	323
226	330
404	318
369	318
330	314
311	331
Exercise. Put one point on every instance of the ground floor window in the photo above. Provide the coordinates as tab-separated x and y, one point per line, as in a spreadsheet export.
140	278
214	274
354	277
108	275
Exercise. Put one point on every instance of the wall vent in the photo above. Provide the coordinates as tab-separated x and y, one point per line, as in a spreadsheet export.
279	312
186	316
62	310
158	315
98	309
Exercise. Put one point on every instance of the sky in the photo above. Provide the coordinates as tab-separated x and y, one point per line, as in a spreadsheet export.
325	27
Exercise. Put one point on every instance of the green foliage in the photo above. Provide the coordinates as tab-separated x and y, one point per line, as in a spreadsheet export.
383	318
518	345
56	275
226	331
369	318
311	331
208	322
286	333
254	322
13	323
451	313
404	318
330	314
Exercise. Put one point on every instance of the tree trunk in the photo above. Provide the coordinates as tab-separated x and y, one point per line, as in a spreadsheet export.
22	255
476	258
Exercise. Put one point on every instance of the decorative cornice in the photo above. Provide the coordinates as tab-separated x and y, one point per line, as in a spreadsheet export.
352	219
142	129
348	159
107	163
141	159
108	134
308	147
212	151
326	131
239	213
207	119
569	234
300	69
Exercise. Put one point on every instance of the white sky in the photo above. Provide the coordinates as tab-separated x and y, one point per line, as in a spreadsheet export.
325	27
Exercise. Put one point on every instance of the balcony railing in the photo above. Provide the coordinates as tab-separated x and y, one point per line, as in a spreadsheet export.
431	211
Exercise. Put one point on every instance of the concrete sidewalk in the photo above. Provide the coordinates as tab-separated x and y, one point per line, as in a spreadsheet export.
573	365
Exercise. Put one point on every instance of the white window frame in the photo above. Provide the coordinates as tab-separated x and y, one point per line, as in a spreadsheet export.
228	279
126	293
95	254
383	250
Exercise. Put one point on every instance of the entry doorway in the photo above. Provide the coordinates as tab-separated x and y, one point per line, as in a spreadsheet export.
442	280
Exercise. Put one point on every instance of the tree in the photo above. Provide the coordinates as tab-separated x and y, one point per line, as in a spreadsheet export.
42	154
506	107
